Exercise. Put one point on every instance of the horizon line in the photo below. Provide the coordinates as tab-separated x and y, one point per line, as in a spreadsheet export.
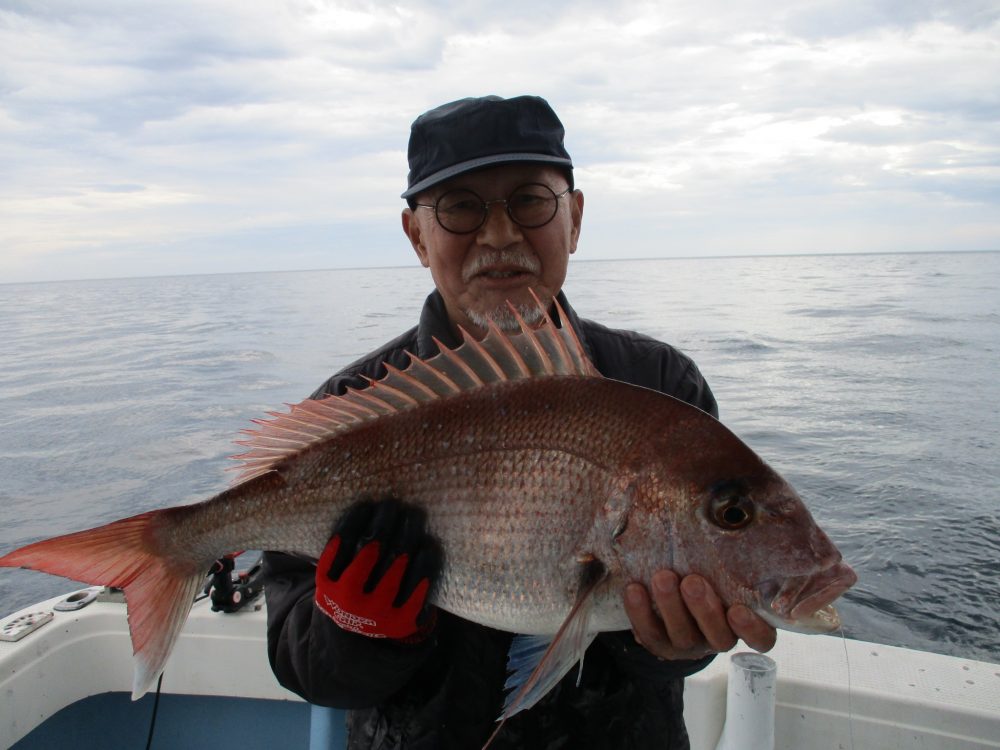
574	260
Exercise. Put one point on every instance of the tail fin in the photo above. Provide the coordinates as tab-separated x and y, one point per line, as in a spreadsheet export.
158	591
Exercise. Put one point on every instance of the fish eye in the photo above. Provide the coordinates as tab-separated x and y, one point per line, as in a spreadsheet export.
730	507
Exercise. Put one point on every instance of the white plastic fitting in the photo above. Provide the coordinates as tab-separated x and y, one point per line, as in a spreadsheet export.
749	703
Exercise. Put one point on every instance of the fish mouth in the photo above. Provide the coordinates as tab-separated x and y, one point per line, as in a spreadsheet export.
804	603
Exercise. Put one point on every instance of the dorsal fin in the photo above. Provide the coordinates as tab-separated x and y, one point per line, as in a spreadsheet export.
542	351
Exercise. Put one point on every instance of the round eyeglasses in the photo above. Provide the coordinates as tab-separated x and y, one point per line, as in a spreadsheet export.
462	211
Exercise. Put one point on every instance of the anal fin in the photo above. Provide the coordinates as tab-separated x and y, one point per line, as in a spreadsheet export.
537	662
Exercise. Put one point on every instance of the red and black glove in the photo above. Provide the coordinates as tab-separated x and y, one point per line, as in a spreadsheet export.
377	569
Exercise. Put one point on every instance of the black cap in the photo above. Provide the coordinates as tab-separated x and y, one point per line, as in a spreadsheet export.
473	133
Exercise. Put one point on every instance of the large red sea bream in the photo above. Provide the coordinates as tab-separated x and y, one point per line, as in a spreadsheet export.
549	487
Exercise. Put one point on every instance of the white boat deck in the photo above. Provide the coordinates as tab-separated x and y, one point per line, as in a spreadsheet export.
886	698
840	693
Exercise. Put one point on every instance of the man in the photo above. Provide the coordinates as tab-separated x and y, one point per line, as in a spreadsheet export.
493	213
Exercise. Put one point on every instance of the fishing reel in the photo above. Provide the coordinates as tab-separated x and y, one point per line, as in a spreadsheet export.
230	589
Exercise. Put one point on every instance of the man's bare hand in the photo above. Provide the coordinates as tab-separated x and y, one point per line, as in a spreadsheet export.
685	619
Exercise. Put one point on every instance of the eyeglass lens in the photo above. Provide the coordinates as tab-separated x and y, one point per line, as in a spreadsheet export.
462	211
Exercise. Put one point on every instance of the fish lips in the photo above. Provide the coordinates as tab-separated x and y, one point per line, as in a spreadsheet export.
802	602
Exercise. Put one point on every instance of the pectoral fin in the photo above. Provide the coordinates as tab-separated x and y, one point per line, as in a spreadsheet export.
537	662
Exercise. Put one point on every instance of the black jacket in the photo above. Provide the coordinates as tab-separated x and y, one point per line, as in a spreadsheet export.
446	692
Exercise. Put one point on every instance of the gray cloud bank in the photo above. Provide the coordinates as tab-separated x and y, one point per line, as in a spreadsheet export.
182	137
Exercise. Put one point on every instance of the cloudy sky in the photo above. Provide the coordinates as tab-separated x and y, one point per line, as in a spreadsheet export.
145	137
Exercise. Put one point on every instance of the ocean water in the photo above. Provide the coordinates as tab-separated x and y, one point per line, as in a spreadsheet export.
870	382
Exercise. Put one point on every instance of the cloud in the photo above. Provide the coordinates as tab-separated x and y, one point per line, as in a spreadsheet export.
129	128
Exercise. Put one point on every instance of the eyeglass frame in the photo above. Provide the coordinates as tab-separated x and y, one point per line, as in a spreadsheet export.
486	207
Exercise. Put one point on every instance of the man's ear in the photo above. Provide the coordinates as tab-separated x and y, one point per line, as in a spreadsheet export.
576	212
413	232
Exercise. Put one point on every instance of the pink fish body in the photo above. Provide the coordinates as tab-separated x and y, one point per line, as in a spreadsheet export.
550	488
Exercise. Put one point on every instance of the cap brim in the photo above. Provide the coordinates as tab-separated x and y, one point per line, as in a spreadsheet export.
483	161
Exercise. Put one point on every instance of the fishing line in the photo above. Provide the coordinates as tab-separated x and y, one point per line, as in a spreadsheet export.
850	697
156	706
156	699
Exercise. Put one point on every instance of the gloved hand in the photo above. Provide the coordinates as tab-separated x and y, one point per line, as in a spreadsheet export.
375	572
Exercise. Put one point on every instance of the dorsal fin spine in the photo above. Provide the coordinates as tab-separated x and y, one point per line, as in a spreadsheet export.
291	418
390	390
422	387
564	350
308	415
386	408
523	371
342	407
578	352
288	423
417	363
483	353
529	332
462	364
340	410
260	435
260	454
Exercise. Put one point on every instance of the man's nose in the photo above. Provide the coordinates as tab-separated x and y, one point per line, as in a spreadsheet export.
499	230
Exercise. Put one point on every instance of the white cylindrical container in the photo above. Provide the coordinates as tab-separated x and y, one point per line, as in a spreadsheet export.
749	703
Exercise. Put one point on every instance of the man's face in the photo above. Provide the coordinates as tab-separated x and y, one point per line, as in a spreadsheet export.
478	272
